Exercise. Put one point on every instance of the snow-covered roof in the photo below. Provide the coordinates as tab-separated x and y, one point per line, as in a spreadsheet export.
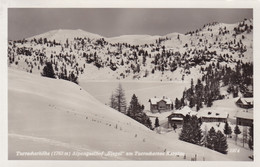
155	100
245	114
245	101
212	114
185	111
176	118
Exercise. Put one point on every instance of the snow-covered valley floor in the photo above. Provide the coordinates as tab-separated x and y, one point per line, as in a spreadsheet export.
48	115
144	90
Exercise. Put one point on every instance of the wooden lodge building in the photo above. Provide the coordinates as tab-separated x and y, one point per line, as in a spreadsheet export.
177	116
245	118
160	104
212	116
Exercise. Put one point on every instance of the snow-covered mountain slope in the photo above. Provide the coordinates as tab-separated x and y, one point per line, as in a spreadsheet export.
55	115
62	35
134	39
140	57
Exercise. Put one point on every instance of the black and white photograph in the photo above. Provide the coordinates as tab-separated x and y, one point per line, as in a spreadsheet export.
138	84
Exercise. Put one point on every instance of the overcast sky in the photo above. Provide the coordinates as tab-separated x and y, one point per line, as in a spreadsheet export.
24	22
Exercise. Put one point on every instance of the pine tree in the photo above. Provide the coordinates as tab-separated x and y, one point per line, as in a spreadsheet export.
191	131
192	102
211	138
135	111
177	103
134	107
209	101
197	132
48	70
220	144
191	88
73	78
67	43
156	124
227	129
120	99
237	131
199	94
245	135
113	102
122	62
186	129
148	122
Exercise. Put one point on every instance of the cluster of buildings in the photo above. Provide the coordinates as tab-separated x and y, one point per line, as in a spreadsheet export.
244	116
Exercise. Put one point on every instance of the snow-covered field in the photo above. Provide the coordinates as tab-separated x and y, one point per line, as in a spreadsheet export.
56	115
144	90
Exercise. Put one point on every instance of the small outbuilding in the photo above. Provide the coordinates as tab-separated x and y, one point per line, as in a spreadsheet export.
245	103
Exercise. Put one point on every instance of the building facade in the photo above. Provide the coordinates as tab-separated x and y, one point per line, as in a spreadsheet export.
213	116
244	121
245	118
177	116
158	105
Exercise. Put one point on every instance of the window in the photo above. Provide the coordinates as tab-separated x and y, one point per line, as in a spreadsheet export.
161	107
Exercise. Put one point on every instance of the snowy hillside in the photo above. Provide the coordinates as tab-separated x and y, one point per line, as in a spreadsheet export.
62	35
134	39
172	57
57	115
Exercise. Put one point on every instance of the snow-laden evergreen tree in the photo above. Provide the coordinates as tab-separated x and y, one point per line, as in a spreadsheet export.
148	122
199	94
220	144
48	70
134	108
227	129
191	131
197	132
211	138
73	78
177	104
237	132
135	111
186	129
216	141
